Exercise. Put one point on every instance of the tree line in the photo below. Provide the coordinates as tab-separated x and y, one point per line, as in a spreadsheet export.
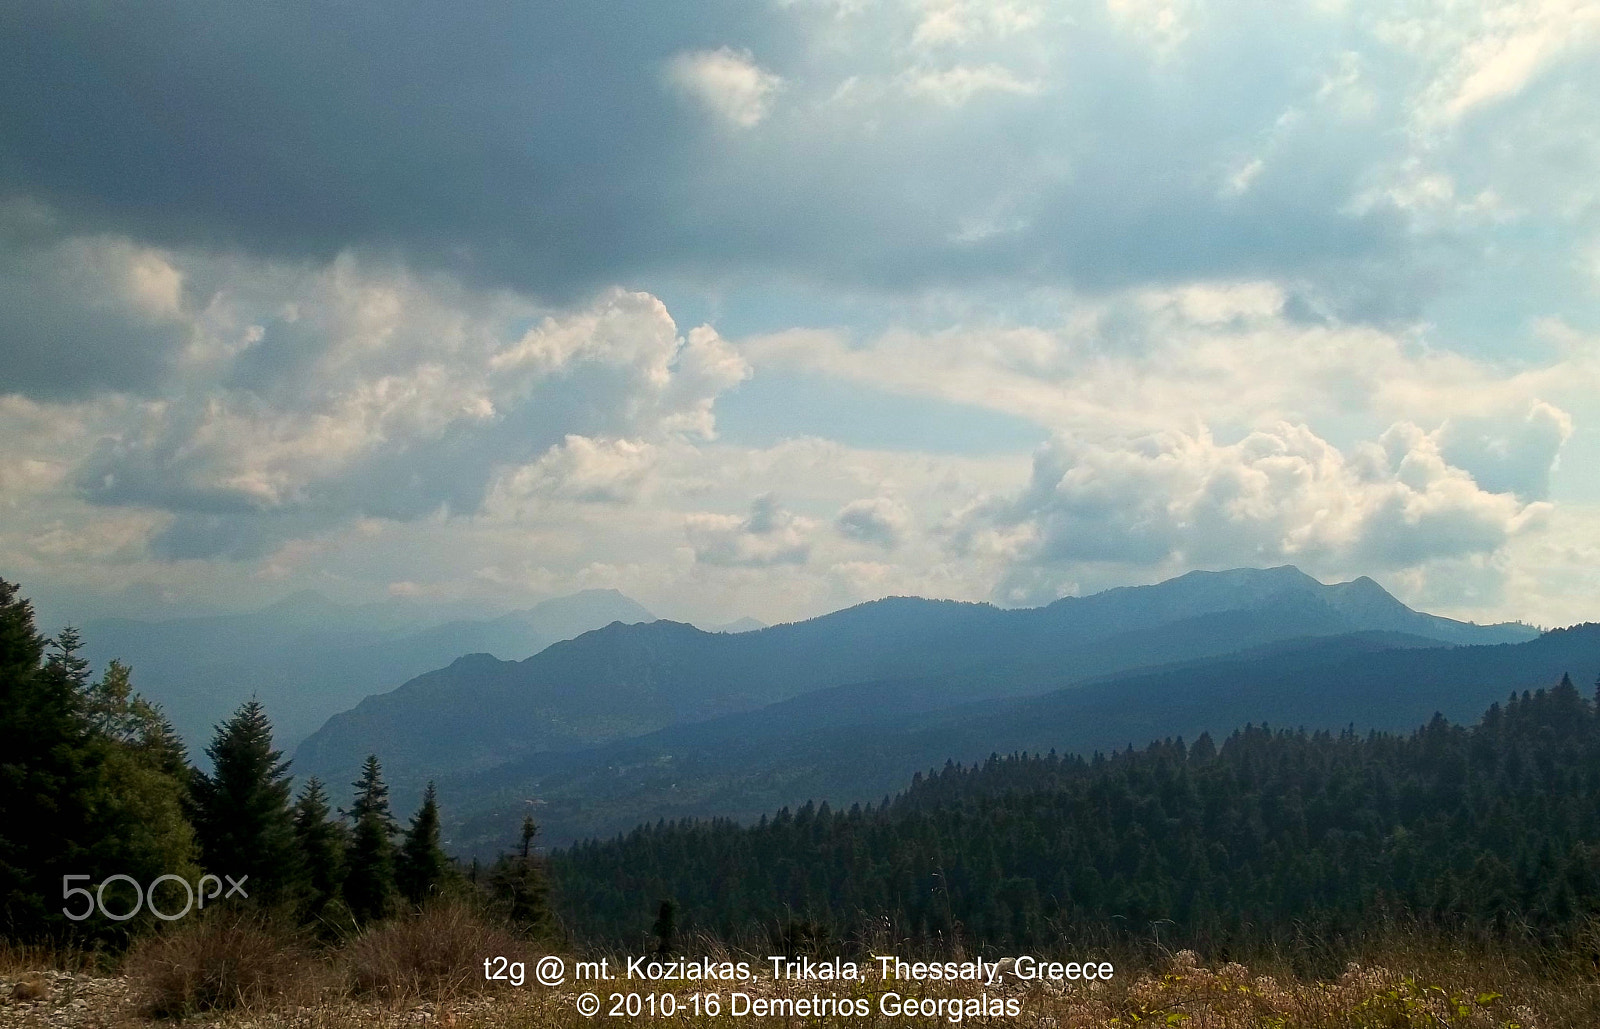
96	785
1271	837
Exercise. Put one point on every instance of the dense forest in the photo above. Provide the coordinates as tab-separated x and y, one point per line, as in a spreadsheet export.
106	828
1493	829
1273	835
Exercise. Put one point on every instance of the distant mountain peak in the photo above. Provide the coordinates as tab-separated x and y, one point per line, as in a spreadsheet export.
746	624
1365	587
467	661
588	604
302	600
633	679
1281	575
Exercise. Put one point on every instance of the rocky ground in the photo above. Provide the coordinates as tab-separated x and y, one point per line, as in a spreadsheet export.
62	999
65	1000
1185	994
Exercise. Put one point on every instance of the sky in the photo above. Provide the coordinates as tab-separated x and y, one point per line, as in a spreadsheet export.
767	307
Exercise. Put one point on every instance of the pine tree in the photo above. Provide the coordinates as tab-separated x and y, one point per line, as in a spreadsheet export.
518	882
665	929
242	808
421	865
93	782
322	849
142	791
372	795
369	886
47	772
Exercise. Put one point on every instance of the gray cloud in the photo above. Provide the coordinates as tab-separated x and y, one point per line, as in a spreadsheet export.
81	315
1509	455
1285	495
879	520
316	397
769	536
538	144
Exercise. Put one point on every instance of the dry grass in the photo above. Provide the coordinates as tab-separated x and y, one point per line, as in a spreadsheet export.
220	962
426	970
436	954
1453	991
16	958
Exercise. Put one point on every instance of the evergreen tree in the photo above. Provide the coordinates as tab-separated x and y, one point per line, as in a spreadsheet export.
92	784
141	796
372	795
369	886
665	929
322	849
421	865
521	887
242	808
1249	845
47	773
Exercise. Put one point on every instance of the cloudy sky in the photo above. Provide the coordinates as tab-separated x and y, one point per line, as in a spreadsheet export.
764	307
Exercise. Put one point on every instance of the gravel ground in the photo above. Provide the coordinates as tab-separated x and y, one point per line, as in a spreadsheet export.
62	1000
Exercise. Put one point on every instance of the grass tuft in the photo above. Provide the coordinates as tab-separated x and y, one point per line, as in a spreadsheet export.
217	963
433	955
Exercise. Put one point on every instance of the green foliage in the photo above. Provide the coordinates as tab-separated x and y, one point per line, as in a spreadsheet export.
421	866
141	791
92	782
520	886
665	929
372	795
1271	838
242	808
48	768
369	885
322	842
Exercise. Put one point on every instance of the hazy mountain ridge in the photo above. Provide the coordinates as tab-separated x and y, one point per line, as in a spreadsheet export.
857	743
627	681
307	657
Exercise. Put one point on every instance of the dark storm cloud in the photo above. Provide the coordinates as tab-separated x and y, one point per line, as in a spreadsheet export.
535	145
72	317
534	136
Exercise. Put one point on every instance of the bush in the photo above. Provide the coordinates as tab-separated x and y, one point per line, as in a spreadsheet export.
218	962
434	954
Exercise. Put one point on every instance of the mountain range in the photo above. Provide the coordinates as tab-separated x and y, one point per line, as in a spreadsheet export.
307	657
494	732
861	743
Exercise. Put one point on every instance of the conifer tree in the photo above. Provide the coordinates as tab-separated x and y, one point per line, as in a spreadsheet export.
322	849
242	808
518	882
421	865
372	795
142	792
665	929
530	829
93	782
369	886
47	770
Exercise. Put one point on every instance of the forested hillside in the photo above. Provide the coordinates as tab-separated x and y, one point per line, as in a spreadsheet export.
856	743
1493	828
307	657
629	680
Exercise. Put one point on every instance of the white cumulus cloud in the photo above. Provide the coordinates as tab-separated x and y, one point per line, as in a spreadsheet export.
1281	495
726	82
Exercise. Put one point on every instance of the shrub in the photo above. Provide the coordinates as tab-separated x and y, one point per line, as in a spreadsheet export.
434	954
218	962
